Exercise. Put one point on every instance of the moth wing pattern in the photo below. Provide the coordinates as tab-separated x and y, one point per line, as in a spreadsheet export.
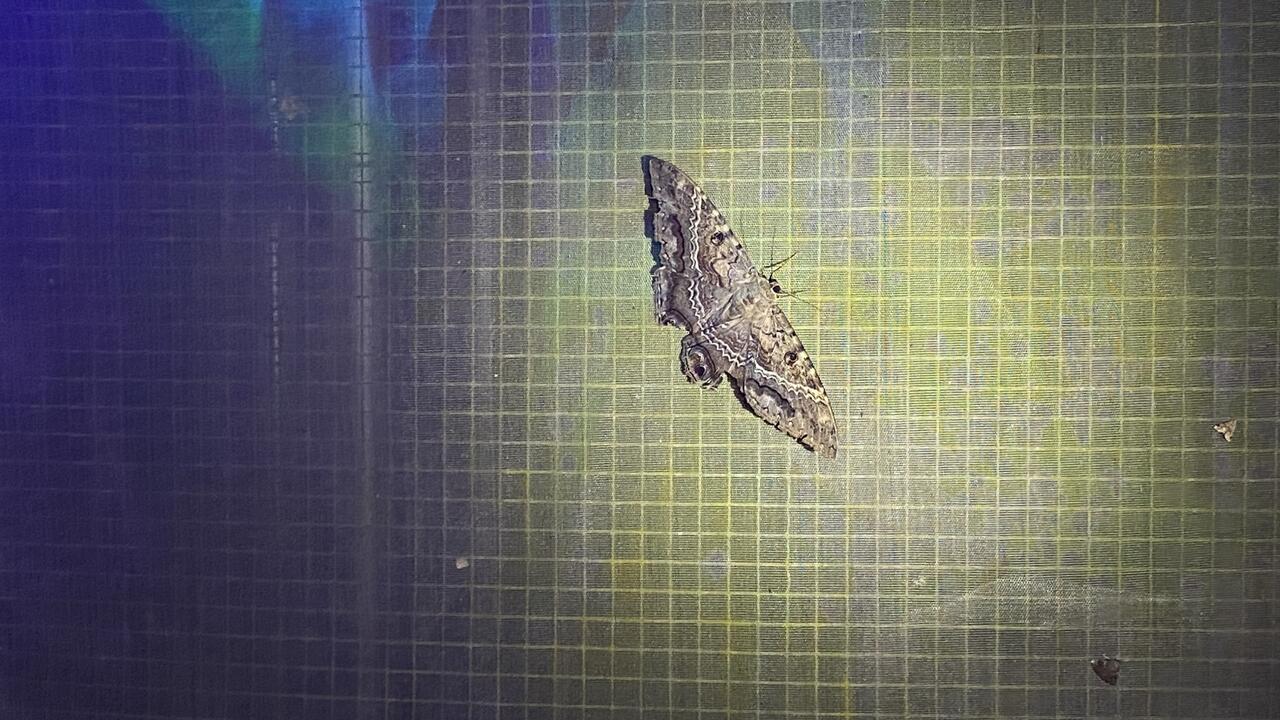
693	276
698	251
782	386
704	282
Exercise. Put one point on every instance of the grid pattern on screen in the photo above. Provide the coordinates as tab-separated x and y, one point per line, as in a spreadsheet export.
1036	246
1038	242
176	429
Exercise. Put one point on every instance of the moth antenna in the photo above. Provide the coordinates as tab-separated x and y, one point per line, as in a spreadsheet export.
771	263
796	295
781	262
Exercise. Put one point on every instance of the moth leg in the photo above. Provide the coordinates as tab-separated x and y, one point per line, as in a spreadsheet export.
698	364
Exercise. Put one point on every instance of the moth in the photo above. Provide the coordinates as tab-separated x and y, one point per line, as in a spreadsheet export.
1226	428
1107	668
705	283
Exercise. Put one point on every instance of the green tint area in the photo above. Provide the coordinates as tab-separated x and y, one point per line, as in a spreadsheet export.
1037	250
230	31
300	81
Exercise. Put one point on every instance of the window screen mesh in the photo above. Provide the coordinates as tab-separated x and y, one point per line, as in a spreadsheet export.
330	385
